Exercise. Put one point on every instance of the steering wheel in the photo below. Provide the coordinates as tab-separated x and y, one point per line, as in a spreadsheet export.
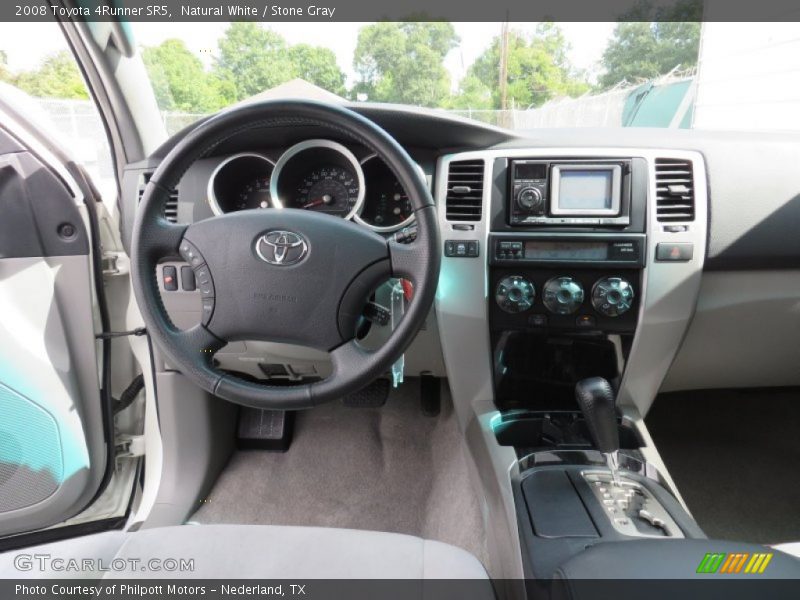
282	275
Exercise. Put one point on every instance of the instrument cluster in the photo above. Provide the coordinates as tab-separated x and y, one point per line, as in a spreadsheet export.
319	175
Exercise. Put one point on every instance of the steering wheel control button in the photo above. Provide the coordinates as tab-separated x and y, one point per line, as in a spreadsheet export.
204	282
680	252
461	248
188	283
170	278
515	294
563	295
207	310
612	296
190	254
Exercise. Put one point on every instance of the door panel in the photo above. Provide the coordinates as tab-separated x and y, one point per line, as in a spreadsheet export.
52	448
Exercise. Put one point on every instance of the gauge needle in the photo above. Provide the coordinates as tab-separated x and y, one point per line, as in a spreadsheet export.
326	199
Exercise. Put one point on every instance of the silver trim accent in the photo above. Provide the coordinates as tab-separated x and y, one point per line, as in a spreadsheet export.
281	242
318	143
616	191
357	217
616	494
211	196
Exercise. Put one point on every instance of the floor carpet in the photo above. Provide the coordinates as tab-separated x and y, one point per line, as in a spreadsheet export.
384	469
735	457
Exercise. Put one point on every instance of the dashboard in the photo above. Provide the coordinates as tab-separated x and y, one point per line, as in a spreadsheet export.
319	175
692	323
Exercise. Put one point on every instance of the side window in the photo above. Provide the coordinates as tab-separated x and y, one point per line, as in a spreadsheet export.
40	77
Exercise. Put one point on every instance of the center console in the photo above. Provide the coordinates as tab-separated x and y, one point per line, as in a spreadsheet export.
566	251
564	266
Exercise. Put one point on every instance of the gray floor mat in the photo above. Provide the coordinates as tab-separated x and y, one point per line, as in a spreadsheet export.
734	456
384	469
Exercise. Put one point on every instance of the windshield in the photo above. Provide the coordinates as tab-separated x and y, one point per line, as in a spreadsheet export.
520	76
514	75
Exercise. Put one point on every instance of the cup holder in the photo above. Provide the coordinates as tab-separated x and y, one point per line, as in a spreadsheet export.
558	430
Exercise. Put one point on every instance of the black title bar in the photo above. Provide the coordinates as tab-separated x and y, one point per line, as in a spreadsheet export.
404	10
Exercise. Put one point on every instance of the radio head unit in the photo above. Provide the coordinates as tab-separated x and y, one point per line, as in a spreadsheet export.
569	193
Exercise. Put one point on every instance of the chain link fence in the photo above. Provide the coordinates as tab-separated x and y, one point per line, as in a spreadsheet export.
78	122
601	110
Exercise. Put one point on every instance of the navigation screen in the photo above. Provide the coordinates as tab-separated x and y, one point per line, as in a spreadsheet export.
586	190
538	250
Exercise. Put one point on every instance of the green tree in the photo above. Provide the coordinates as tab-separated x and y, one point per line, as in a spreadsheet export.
472	93
180	82
404	62
56	77
253	59
641	49
538	70
318	66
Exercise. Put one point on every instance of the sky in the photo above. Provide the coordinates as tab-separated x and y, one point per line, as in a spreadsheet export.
588	40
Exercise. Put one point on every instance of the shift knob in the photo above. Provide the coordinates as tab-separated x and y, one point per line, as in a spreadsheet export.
596	399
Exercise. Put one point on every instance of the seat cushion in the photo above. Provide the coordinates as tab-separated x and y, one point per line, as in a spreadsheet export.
258	552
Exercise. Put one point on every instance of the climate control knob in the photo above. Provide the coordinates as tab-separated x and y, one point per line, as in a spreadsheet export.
562	295
515	294
612	296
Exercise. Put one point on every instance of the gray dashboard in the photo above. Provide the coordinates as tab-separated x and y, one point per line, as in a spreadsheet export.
753	178
753	216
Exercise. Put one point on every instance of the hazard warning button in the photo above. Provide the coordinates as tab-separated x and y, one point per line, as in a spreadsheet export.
682	252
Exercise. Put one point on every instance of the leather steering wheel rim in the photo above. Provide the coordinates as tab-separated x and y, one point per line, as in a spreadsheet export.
227	248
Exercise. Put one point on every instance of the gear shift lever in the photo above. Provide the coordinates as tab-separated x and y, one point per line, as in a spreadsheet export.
596	399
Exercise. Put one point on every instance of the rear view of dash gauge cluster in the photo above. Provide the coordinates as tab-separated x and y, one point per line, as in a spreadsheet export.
567	246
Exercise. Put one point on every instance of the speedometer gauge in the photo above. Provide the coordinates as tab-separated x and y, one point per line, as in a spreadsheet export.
319	175
332	190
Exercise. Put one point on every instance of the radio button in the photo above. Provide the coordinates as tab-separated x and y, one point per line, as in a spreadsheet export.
530	199
612	296
563	295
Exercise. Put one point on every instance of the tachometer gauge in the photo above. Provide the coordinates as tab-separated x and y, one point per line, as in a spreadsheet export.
240	182
254	194
332	190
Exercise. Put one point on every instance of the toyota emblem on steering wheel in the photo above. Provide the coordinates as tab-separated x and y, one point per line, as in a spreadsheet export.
282	248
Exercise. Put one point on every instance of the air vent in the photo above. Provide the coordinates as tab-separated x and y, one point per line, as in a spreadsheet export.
171	209
464	200
674	190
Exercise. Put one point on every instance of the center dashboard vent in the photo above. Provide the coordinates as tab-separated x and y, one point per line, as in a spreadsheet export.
171	208
674	190
464	200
